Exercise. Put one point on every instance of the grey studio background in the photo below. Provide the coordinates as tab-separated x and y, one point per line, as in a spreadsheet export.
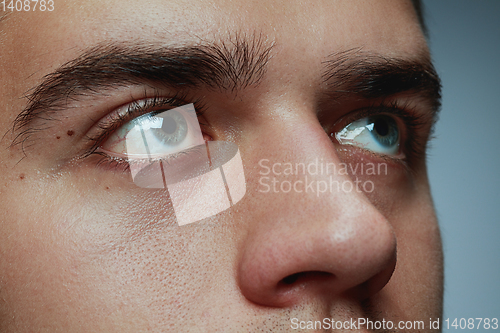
465	156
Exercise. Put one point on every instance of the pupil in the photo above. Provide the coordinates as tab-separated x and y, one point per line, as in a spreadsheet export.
169	125
381	127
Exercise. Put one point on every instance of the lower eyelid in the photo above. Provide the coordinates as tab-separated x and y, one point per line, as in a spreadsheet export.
129	167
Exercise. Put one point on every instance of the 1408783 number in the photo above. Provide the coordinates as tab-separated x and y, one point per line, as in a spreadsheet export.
471	323
27	5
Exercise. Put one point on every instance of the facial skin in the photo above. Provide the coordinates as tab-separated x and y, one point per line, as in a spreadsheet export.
84	250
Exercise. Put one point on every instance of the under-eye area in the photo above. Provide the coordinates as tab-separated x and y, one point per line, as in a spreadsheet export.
166	149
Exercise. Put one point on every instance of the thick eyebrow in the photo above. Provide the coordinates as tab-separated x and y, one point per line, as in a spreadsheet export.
231	65
374	76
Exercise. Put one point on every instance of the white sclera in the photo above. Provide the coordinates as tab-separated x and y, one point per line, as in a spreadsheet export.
203	179
361	133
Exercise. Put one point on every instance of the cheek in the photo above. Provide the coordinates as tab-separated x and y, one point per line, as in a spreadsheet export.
39	266
417	282
386	184
93	250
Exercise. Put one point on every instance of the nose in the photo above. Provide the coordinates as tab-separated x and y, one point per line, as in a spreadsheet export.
303	245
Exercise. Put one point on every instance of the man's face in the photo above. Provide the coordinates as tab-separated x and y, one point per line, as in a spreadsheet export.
340	86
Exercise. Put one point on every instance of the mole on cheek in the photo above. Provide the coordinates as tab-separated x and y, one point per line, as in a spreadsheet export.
21	176
70	132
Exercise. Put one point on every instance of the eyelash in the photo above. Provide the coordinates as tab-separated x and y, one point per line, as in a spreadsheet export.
414	122
135	109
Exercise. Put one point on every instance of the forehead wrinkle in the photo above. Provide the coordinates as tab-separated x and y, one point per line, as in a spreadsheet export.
3	19
4	15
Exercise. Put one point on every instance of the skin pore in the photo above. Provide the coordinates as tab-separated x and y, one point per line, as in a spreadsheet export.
84	250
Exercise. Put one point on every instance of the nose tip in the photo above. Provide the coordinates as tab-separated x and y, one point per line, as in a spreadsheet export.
351	255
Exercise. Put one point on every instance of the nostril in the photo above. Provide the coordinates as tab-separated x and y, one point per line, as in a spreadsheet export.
305	277
290	279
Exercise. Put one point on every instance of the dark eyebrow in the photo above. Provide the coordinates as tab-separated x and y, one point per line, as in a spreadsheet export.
374	76
231	65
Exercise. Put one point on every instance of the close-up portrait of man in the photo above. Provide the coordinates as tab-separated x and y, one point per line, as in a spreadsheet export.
217	166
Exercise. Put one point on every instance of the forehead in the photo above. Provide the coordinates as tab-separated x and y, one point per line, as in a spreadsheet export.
309	28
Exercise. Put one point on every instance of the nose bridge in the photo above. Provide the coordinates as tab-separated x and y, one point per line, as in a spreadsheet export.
313	228
304	167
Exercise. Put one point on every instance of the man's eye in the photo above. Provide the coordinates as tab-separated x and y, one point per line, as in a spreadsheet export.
379	134
156	135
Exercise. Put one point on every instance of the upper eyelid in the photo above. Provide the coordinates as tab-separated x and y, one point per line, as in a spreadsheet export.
137	108
402	111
